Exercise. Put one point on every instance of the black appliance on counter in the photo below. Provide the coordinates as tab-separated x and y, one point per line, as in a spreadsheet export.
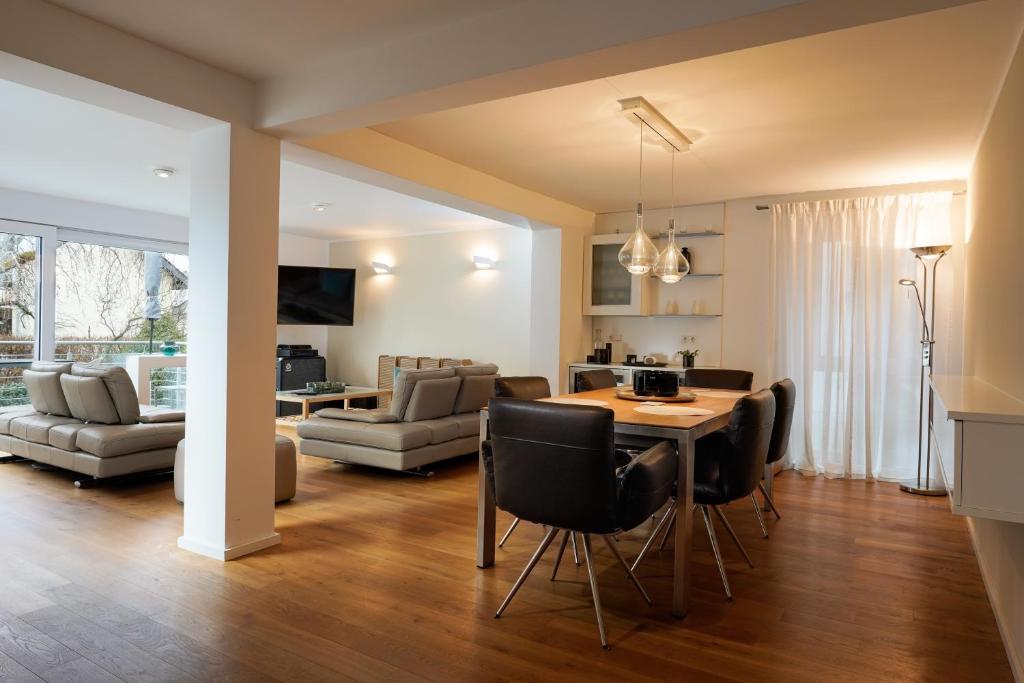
657	384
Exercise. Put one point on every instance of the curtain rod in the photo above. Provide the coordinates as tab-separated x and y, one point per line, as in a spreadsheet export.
765	207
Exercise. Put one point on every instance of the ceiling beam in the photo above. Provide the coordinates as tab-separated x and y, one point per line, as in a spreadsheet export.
537	45
53	49
370	157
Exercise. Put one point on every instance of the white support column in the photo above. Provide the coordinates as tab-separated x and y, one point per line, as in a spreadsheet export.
233	234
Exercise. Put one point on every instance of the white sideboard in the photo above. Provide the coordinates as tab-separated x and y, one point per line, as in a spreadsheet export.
978	432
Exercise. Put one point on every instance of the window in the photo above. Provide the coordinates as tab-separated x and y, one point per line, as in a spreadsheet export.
19	305
112	302
62	296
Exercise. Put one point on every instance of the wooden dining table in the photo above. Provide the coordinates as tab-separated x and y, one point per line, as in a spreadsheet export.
638	428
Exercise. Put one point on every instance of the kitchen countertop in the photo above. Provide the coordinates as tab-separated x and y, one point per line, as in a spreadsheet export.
620	366
974	400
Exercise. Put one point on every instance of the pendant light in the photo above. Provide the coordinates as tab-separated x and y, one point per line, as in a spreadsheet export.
638	255
672	266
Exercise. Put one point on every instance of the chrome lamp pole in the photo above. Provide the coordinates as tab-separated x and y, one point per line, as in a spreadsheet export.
923	484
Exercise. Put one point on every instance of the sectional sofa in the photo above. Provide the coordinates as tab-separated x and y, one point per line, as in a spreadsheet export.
87	419
434	415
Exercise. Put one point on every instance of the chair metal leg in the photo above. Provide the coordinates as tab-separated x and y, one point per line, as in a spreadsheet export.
735	538
561	550
769	501
629	572
550	536
714	548
669	514
593	589
515	523
671	526
575	552
760	518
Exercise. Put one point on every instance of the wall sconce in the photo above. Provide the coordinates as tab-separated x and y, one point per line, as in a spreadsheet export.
382	268
483	262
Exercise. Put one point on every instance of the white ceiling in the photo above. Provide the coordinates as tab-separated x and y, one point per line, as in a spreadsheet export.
260	39
900	101
58	146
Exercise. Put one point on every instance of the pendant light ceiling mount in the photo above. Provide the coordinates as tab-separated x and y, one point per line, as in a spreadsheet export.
641	112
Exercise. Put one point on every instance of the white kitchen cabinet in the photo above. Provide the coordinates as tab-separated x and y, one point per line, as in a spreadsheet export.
608	288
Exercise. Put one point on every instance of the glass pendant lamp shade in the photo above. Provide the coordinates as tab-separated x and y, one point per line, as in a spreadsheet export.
638	255
672	266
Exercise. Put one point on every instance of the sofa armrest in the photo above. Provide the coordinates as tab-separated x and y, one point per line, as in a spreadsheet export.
357	415
153	415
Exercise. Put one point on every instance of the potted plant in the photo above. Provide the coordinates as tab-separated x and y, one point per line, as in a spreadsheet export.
689	357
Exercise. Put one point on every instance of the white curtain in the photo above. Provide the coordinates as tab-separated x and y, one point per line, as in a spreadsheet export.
847	333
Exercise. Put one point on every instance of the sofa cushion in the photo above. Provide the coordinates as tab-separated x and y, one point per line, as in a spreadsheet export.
44	391
468	424
65	436
441	430
51	366
405	383
472	370
399	436
36	428
106	441
89	400
8	415
432	398
357	415
475	392
153	414
119	385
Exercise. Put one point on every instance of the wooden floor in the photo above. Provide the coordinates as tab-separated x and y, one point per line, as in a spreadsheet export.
375	581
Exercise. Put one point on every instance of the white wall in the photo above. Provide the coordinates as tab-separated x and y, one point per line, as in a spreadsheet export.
436	303
294	250
994	326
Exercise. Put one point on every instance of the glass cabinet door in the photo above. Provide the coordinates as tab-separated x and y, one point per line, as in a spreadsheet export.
610	283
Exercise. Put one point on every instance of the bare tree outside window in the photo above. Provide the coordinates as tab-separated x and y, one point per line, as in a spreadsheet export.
101	301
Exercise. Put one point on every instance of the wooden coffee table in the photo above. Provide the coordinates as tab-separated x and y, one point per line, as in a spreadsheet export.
306	400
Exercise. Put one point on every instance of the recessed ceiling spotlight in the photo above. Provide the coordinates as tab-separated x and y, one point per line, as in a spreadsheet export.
163	172
320	208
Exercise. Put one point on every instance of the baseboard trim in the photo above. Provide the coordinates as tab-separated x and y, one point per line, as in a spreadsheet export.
226	554
1016	665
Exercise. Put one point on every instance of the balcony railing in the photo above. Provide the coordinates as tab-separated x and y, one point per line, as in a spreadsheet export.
168	384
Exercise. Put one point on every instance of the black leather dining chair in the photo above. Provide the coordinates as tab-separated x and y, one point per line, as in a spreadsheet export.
785	400
554	465
718	378
528	388
590	380
728	465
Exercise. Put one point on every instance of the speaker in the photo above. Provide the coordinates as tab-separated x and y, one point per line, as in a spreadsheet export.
294	373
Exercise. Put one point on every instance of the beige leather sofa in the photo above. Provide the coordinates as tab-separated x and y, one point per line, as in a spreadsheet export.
434	415
88	419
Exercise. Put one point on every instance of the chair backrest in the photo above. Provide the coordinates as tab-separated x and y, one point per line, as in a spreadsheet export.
555	464
596	379
718	378
530	388
748	434
785	399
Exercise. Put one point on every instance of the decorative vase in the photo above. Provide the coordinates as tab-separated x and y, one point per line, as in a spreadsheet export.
169	348
688	360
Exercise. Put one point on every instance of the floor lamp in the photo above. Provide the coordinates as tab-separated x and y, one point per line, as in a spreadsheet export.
923	484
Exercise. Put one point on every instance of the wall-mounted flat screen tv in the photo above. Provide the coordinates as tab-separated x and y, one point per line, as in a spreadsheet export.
315	296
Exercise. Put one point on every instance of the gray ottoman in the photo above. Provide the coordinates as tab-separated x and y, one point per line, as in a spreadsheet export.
284	479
